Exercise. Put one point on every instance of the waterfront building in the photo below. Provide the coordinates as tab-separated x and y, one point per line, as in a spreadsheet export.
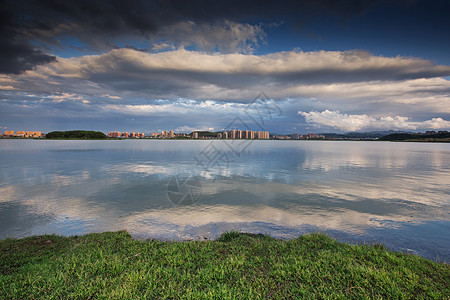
33	134
114	134
225	135
195	135
262	135
23	133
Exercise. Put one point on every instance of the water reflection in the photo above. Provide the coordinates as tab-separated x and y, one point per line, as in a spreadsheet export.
396	193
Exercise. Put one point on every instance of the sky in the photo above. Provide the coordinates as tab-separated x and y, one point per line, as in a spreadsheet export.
283	66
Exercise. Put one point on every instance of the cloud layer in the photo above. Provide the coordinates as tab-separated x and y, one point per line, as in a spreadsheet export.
191	74
367	88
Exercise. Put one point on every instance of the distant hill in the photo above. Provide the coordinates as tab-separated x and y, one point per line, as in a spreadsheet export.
418	137
76	134
348	135
356	134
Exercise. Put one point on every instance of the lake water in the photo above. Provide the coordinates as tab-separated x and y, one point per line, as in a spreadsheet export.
394	193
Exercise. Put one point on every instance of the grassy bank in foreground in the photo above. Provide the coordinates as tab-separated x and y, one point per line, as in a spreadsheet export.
237	265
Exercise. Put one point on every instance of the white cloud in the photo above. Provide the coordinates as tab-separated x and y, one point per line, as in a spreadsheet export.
162	46
189	129
110	96
348	122
62	97
178	107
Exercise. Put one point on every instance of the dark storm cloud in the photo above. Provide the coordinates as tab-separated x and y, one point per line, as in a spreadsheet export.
28	27
17	54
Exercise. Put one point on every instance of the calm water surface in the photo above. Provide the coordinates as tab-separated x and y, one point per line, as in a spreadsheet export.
394	193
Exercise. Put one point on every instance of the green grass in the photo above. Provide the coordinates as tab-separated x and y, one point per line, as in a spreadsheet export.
235	266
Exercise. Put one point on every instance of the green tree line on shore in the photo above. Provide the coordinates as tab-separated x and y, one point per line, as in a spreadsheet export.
411	136
76	134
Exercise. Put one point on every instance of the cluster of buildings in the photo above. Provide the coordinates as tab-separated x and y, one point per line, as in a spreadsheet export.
168	134
163	134
231	134
309	136
296	136
434	132
117	134
242	134
11	133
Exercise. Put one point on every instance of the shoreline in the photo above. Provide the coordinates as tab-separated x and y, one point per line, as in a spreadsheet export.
281	140
236	265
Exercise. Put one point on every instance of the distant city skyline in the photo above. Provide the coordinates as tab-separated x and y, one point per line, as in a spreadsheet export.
329	66
237	134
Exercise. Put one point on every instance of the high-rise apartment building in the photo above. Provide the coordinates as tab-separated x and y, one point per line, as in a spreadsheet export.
248	134
262	135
